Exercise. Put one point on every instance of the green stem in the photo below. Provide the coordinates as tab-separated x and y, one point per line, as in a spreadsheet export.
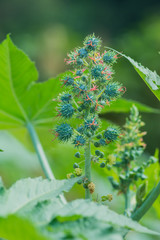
75	102
127	193
88	167
41	155
147	204
127	200
88	149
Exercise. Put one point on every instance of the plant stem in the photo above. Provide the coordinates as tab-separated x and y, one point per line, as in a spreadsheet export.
126	200
148	202
88	148
88	167
127	193
146	205
41	155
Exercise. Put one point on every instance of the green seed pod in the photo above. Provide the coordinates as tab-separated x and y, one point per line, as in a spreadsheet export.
108	167
75	165
99	136
70	175
85	185
97	144
77	155
101	155
80	181
102	165
98	153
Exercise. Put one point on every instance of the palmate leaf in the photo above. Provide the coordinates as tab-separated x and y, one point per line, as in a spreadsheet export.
46	212
15	228
82	208
26	193
84	228
124	105
152	79
22	99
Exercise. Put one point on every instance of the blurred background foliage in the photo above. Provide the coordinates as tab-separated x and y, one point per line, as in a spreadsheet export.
46	31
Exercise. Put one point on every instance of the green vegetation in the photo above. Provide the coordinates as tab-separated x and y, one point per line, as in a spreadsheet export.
35	208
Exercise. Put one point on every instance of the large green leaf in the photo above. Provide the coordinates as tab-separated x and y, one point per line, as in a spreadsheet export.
26	193
152	79
83	208
78	209
84	228
22	99
15	228
124	105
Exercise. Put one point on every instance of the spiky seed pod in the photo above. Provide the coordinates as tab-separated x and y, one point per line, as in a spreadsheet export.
79	73
88	99
112	91
111	134
93	109
75	165
66	110
84	78
72	58
91	124
80	129
109	57
92	43
66	98
98	71
68	81
79	141
64	132
91	187
80	88
78	171
77	155
79	62
83	53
